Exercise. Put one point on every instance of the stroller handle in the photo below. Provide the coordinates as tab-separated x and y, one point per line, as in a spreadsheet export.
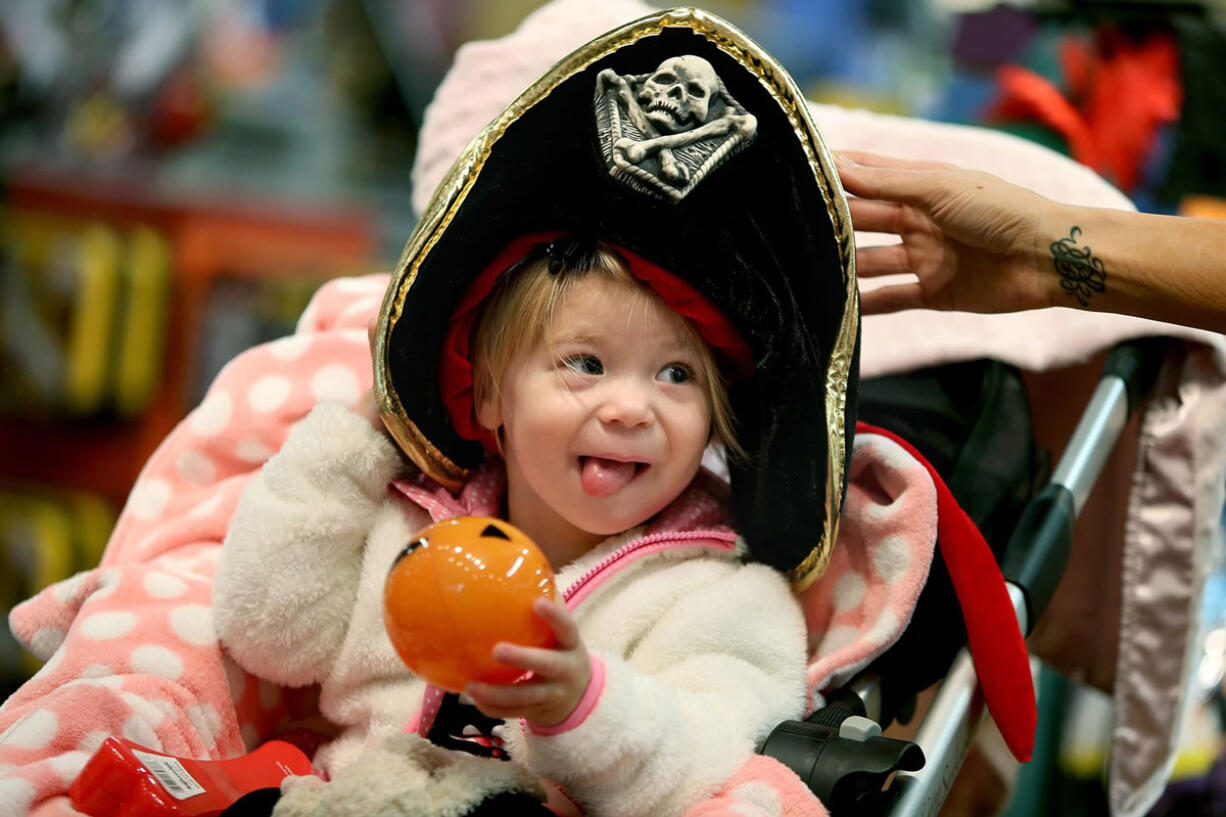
1128	374
1038	550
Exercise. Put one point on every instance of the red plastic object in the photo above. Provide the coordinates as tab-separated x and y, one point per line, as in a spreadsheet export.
459	588
124	779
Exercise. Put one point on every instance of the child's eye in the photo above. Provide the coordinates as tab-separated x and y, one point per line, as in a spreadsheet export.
584	364
676	373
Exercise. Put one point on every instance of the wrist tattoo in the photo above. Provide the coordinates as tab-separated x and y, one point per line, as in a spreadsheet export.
1081	274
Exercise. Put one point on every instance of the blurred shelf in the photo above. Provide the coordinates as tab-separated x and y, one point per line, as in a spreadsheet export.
213	241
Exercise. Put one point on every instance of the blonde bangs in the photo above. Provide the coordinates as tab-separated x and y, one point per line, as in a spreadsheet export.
522	305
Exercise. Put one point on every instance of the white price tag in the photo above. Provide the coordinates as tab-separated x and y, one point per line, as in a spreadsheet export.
171	774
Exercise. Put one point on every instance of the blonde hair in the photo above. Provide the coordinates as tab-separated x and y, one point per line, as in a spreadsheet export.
516	313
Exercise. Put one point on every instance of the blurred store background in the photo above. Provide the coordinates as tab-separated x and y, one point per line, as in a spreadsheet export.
178	176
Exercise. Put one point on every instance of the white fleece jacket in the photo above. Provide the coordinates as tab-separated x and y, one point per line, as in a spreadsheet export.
703	654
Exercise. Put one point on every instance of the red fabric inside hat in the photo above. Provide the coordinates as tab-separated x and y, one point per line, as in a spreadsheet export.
455	365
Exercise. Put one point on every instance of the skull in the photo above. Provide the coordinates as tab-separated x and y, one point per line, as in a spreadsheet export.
677	96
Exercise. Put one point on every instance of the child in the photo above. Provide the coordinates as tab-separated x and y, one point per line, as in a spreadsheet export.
649	241
602	401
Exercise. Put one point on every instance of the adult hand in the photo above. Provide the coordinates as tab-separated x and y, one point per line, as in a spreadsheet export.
559	676
973	241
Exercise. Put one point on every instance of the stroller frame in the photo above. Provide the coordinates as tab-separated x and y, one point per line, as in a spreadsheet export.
1034	560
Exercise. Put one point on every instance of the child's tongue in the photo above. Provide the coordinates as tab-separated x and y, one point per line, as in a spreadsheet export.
602	477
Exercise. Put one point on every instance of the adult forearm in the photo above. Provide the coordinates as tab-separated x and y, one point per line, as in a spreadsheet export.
977	243
1162	267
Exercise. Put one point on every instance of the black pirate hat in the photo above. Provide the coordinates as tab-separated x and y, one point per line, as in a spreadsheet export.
677	139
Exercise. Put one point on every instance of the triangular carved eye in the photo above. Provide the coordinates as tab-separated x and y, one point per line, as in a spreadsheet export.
494	530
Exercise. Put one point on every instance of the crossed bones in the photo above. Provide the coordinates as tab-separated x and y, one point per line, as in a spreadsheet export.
635	152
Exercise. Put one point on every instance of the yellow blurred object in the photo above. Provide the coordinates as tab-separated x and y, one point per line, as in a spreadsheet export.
142	321
497	19
1086	733
1200	743
36	534
85	315
36	544
93	518
1203	207
89	341
46	536
100	126
846	95
1087	736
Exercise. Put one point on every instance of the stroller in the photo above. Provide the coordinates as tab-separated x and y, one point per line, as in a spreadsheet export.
158	677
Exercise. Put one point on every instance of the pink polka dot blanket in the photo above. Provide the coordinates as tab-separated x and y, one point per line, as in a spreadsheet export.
131	650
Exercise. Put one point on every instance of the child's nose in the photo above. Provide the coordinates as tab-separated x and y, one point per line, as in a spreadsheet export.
627	404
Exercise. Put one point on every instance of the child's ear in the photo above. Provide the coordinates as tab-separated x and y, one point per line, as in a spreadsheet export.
489	412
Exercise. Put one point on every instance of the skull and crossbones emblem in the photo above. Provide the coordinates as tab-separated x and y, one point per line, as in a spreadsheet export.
663	132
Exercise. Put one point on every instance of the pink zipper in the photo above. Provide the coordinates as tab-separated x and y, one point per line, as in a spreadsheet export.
630	552
565	795
582	587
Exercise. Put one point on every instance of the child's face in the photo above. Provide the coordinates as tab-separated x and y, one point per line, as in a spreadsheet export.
604	420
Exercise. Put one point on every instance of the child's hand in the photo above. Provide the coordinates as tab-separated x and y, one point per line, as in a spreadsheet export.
560	675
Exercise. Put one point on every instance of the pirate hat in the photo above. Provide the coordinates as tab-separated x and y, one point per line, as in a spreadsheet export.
681	142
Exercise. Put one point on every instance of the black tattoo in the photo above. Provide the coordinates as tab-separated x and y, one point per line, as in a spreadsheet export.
1081	274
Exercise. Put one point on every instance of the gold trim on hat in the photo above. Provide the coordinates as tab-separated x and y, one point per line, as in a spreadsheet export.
454	188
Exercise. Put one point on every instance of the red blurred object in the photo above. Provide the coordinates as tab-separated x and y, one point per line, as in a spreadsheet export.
459	588
181	111
124	779
1119	92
